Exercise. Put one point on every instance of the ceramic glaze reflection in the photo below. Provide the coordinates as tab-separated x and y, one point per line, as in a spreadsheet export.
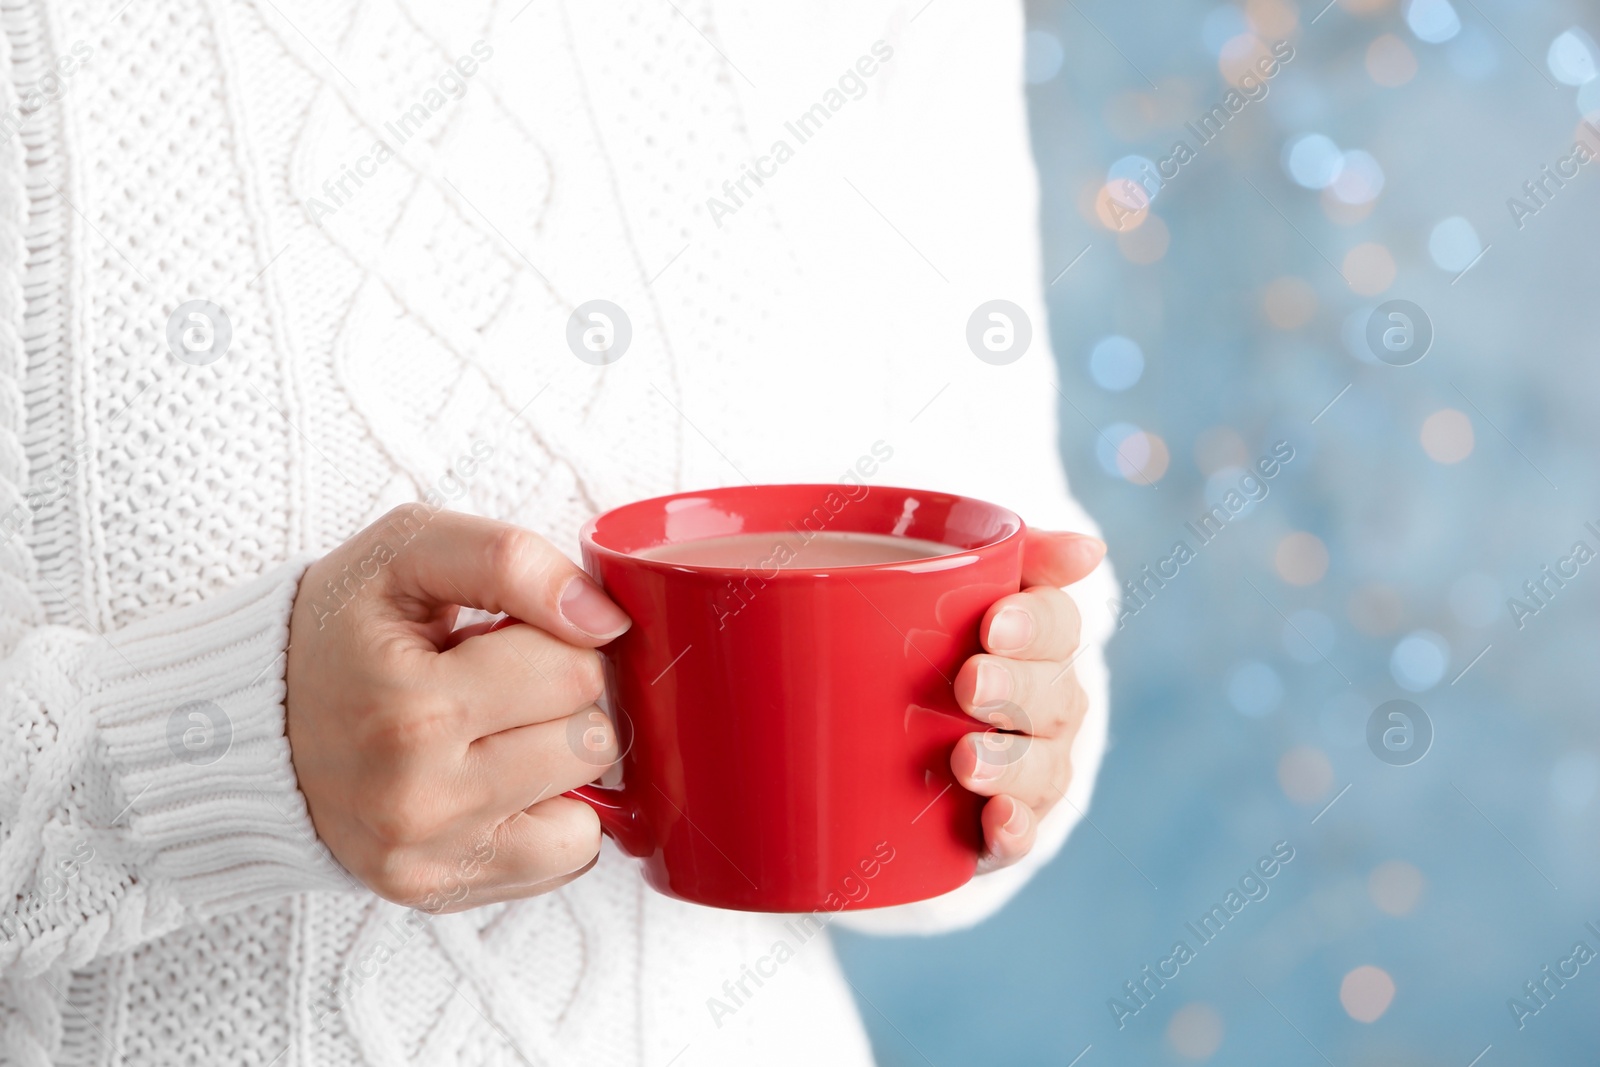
789	552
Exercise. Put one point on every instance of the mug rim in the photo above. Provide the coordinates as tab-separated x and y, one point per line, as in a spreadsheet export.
928	564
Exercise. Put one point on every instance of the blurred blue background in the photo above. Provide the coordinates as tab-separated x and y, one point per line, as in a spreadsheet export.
1228	313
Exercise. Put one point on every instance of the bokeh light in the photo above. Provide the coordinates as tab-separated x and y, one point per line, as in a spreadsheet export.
1313	160
1395	887
1219	448
1589	99
1116	363
1360	178
1366	993
1433	21
1241	57
1447	436
1195	1031
1129	194
1226	481
1254	689
1272	19
1390	61
1134	181
1108	443
1375	609
1125	451
1342	212
1418	662
1473	54
1143	458
1369	268
1042	57
1117	208
1573	58
1305	775
1454	244
1147	244
1288	302
1301	558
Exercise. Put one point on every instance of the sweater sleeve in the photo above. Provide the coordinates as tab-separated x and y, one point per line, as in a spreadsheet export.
145	779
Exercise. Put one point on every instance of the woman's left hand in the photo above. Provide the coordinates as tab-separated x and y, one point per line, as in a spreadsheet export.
1024	684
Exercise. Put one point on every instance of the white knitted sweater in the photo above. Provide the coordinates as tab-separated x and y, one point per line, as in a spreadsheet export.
398	307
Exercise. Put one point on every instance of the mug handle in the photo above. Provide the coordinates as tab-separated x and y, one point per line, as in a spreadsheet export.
621	818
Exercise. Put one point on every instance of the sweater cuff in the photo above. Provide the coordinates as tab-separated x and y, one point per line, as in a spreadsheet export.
190	708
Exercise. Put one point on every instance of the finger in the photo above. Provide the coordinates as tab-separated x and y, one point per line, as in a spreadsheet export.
1051	557
446	557
499	894
517	675
1038	697
1009	829
516	769
1041	623
530	853
1035	770
541	849
461	633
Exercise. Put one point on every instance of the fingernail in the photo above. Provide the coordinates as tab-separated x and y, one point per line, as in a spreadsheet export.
982	769
1010	630
993	686
1017	825
1095	543
591	611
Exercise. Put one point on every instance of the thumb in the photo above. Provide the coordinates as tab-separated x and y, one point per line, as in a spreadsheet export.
448	558
1051	557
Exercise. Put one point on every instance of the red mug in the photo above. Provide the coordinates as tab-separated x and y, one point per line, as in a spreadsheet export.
787	732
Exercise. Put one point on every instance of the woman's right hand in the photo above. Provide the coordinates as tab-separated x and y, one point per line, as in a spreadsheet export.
433	762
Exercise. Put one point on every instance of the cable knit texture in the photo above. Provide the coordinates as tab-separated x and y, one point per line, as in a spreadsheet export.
398	204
